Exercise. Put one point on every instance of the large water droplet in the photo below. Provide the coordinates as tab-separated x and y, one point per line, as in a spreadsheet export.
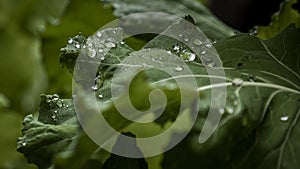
237	82
198	42
178	68
91	52
284	118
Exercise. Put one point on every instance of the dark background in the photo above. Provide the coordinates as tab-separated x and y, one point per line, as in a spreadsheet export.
243	15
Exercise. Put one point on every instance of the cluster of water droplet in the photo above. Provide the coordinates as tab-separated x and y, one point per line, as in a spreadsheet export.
102	41
55	104
74	44
202	47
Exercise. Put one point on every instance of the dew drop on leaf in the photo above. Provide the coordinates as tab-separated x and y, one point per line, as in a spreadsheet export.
237	82
203	52
197	42
91	52
284	118
70	41
178	68
229	109
99	34
110	45
176	48
208	61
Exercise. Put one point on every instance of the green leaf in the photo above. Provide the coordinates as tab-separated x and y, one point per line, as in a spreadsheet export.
115	161
204	19
52	133
260	122
280	20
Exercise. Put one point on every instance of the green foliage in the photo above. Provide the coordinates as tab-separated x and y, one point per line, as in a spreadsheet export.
260	122
285	16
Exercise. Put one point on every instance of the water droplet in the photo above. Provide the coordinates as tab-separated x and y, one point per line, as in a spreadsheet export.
192	57
55	111
198	42
67	106
186	39
110	45
176	48
111	40
70	41
122	42
101	50
229	109
203	52
237	82
180	35
169	52
208	45
214	42
207	61
23	143
153	59
77	45
100	96
253	32
99	34
178	68
284	118
221	110
102	58
91	52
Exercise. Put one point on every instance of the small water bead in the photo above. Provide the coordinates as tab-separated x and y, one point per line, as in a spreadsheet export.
91	52
169	52
178	68
122	42
203	52
284	118
100	96
101	50
192	57
110	45
198	42
23	143
77	45
176	48
229	109
186	39
237	82
67	106
221	110
208	45
111	40
207	61
99	34
253	32
70	41
102	58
